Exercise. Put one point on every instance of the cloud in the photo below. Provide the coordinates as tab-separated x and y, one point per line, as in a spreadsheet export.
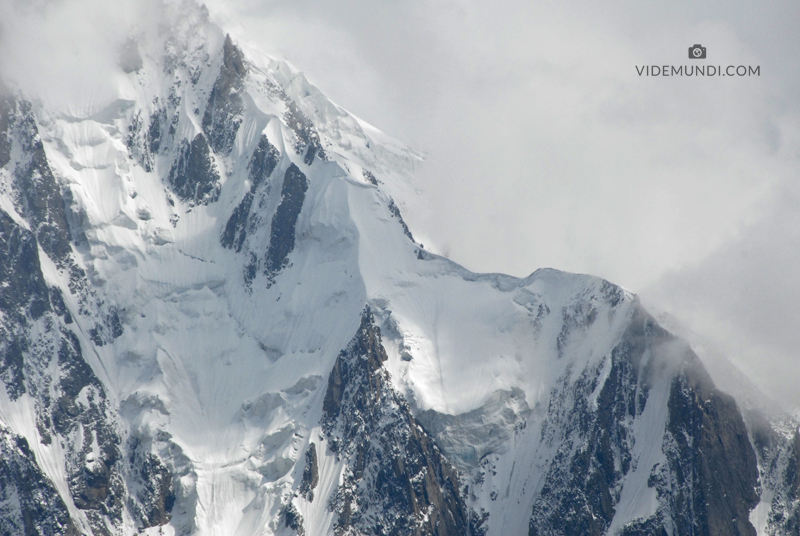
545	148
66	52
744	297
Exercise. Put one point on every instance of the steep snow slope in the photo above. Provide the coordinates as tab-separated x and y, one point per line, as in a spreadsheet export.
225	327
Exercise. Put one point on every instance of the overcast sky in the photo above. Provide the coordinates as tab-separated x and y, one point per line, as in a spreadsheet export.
546	148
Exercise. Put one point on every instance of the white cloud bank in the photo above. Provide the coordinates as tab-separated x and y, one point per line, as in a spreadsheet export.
545	148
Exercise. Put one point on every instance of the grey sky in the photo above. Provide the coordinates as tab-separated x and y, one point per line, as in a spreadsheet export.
545	148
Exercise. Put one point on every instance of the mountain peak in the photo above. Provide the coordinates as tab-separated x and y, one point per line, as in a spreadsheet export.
186	350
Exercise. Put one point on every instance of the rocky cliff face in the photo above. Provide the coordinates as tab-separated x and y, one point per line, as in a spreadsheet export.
597	419
395	481
194	177
707	494
30	502
223	114
185	348
42	361
777	446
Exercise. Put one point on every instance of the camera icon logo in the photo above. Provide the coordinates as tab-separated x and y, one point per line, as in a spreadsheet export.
697	52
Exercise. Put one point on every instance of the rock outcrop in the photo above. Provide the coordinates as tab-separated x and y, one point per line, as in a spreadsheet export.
282	234
29	503
396	480
223	114
194	176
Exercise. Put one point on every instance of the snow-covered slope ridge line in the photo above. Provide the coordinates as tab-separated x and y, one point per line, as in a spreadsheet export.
214	321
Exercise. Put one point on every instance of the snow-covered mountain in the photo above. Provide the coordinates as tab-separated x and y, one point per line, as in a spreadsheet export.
214	320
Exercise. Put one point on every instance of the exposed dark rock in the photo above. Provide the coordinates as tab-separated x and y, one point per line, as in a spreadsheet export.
710	457
282	236
575	317
108	329
94	479
154	136
793	467
72	406
299	122
6	109
583	484
649	527
262	164
38	196
310	474
396	480
396	213
194	176
75	373
59	307
293	519
23	292
137	143
250	271
584	481
29	503
155	496
307	135
612	294
223	114
96	484
370	177
12	363
308	159
708	486
236	229
788	517
23	298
